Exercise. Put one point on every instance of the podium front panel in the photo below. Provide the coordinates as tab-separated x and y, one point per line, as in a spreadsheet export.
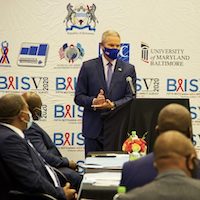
139	115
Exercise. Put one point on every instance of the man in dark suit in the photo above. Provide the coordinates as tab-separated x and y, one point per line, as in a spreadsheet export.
140	172
102	86
5	182
44	145
27	171
176	161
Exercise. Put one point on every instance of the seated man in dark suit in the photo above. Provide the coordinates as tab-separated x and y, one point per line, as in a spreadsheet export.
171	117
176	161
44	145
27	171
5	182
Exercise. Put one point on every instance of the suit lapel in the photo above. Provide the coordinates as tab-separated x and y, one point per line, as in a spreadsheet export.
118	71
101	75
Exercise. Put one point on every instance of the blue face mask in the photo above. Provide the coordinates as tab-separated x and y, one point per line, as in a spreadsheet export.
111	53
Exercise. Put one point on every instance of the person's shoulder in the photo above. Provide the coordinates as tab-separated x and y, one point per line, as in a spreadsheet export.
148	157
6	132
34	126
91	61
9	138
34	129
125	64
2	127
192	181
141	161
142	192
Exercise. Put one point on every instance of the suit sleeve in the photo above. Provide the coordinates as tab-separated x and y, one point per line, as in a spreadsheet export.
81	93
15	154
123	180
36	139
128	93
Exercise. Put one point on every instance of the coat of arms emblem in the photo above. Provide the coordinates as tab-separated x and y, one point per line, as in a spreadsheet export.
81	17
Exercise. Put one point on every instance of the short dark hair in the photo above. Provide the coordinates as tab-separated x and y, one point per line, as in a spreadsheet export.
33	100
10	107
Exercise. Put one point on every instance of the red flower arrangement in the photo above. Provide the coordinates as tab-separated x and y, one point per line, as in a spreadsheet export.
134	144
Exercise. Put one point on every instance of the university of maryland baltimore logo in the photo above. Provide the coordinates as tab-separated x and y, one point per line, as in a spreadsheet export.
81	17
145	52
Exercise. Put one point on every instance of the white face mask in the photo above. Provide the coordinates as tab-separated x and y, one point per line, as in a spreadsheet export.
30	122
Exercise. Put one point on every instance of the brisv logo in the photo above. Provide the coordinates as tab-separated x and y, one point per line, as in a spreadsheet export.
183	86
196	140
195	114
68	138
124	53
149	86
44	110
65	84
68	112
24	83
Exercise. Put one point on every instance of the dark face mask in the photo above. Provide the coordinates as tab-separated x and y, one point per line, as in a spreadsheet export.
111	53
196	164
38	113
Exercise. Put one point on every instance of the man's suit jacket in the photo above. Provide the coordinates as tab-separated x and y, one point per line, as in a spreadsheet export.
139	172
173	185
26	169
44	145
5	182
90	80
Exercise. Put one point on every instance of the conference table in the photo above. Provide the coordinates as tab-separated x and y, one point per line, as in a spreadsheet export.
102	175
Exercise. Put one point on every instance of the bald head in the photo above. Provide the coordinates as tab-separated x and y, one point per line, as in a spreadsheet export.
172	150
175	117
34	102
172	142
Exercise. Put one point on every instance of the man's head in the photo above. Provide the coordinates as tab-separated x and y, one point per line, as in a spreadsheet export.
14	110
110	44
35	103
175	117
172	150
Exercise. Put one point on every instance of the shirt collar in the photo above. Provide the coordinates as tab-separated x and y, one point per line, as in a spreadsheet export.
105	61
15	129
171	172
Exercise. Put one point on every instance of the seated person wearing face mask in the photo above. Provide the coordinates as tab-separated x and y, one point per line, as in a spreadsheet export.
140	172
25	169
176	161
44	145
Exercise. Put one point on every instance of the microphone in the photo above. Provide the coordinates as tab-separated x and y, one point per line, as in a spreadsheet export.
130	82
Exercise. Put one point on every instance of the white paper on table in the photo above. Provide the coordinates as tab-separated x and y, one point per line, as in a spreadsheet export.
103	178
107	162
